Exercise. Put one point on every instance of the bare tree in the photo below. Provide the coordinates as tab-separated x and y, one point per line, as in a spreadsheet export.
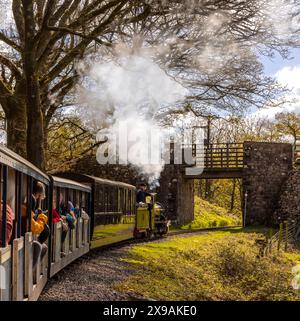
46	38
42	46
288	124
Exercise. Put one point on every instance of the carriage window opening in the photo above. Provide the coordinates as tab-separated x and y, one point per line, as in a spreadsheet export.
11	189
88	209
67	193
125	202
5	227
80	204
116	202
19	187
24	204
11	200
54	199
29	201
119	201
83	200
56	192
76	199
129	202
100	204
62	199
105	199
86	201
109	198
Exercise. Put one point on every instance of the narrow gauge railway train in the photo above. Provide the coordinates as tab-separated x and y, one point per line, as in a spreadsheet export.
106	213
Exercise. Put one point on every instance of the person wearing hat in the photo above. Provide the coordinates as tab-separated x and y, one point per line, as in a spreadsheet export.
142	193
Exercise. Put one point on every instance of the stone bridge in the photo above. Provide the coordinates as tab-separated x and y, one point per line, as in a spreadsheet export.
262	166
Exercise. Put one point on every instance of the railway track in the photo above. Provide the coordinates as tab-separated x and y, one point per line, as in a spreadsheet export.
170	233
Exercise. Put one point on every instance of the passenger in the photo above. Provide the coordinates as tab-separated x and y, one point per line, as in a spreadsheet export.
142	193
38	194
38	222
67	212
71	217
56	218
10	217
77	211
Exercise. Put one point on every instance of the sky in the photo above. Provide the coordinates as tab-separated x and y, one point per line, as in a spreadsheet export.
287	73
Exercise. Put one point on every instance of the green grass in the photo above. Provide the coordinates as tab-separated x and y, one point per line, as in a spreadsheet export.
210	215
221	265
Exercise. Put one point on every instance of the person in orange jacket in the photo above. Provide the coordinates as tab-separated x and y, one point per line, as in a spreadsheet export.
38	223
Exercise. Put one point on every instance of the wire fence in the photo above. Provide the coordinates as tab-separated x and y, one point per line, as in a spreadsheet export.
288	233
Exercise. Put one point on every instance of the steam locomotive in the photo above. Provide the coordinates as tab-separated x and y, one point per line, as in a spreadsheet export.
112	216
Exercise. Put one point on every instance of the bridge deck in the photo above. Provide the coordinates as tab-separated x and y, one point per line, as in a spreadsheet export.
219	160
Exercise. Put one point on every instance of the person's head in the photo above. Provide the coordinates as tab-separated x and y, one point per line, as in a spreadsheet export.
38	190
143	186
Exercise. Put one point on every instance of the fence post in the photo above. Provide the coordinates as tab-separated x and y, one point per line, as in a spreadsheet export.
280	236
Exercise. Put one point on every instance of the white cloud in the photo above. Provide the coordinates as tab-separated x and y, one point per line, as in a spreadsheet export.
289	77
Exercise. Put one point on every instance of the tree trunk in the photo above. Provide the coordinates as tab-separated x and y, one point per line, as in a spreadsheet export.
35	128
16	126
35	133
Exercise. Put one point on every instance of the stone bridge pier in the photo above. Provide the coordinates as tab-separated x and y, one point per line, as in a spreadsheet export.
265	169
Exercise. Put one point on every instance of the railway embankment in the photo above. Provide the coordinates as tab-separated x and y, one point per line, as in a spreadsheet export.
201	265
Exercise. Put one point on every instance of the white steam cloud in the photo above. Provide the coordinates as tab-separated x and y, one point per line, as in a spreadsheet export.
127	93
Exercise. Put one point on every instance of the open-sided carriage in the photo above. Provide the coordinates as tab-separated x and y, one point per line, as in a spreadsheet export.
18	279
104	212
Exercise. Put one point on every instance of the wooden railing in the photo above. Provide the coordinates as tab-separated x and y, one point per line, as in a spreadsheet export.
219	156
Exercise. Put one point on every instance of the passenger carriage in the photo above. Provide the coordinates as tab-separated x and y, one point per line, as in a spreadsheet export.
18	281
113	212
104	212
76	242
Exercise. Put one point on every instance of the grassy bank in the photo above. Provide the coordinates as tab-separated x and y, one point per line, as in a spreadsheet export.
212	266
210	215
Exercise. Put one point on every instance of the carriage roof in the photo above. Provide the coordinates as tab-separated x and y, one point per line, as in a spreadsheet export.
15	161
83	178
67	183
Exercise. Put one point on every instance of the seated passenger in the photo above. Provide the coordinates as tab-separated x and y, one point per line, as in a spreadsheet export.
38	221
67	212
56	218
38	194
37	226
10	217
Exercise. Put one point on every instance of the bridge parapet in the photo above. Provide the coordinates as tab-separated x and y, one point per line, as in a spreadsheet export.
218	160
